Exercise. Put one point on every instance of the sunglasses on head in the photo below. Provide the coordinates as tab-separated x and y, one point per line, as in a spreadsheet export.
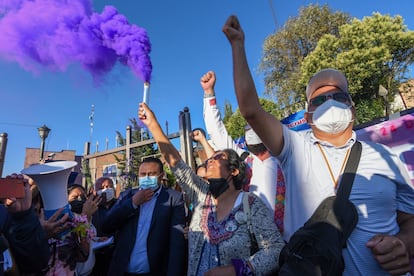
217	156
341	97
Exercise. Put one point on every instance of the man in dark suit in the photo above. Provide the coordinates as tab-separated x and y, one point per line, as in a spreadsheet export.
148	223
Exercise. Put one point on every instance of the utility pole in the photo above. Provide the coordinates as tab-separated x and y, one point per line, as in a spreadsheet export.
91	122
3	147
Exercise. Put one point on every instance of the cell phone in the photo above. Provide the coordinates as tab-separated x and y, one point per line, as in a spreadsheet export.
11	187
103	198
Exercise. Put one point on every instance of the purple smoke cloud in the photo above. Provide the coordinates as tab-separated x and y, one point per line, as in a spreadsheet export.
57	33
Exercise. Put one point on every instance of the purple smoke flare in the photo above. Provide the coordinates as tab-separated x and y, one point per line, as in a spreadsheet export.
56	33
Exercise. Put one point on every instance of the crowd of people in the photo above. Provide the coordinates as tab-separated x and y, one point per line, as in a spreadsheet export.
243	205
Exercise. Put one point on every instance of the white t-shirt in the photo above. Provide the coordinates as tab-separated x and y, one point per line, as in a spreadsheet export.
381	187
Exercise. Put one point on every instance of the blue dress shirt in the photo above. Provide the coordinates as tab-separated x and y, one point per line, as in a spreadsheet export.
138	261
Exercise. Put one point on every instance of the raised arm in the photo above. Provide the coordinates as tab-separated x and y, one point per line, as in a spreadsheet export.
170	153
198	136
212	117
188	180
264	124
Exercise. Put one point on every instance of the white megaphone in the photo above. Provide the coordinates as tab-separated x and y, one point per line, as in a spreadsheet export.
52	180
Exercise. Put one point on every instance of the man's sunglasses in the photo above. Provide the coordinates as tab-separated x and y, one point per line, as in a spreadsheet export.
341	97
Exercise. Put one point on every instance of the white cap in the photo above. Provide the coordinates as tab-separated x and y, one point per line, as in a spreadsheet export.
251	136
325	77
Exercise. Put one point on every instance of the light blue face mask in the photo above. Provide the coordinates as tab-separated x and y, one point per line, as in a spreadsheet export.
148	182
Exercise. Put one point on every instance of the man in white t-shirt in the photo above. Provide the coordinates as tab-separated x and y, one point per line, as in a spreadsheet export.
382	241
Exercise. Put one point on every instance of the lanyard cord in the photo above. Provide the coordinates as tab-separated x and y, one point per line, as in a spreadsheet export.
335	181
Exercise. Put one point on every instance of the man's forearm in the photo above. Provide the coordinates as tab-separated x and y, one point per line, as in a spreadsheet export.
216	128
245	90
207	147
406	223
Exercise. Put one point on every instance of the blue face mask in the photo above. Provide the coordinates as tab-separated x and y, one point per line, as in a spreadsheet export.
148	182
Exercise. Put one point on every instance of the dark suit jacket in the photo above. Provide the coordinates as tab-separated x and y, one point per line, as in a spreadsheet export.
166	246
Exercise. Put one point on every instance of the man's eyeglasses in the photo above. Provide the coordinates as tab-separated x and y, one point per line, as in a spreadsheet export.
341	97
217	156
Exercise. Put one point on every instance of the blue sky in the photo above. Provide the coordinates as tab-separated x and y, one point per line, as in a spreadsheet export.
187	41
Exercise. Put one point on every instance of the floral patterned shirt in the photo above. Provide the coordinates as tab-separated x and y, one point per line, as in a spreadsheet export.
230	236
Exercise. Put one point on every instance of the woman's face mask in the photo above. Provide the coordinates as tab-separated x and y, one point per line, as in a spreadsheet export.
77	205
148	182
332	116
218	186
109	193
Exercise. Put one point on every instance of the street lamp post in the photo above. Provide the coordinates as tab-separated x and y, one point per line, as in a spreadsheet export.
3	146
43	133
383	92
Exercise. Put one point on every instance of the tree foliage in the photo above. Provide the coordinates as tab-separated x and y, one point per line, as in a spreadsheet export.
235	123
228	111
284	51
374	51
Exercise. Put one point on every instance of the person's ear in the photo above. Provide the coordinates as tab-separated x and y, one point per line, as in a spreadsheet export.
353	109
235	172
308	117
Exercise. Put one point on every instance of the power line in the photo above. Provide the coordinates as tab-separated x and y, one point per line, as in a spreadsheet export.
272	10
17	124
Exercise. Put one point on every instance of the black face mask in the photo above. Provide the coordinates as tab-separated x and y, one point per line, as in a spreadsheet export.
76	206
218	186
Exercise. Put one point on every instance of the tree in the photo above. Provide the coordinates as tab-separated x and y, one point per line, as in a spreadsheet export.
228	111
284	51
374	51
235	123
137	154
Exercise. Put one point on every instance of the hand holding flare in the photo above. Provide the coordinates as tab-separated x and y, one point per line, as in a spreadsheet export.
145	114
